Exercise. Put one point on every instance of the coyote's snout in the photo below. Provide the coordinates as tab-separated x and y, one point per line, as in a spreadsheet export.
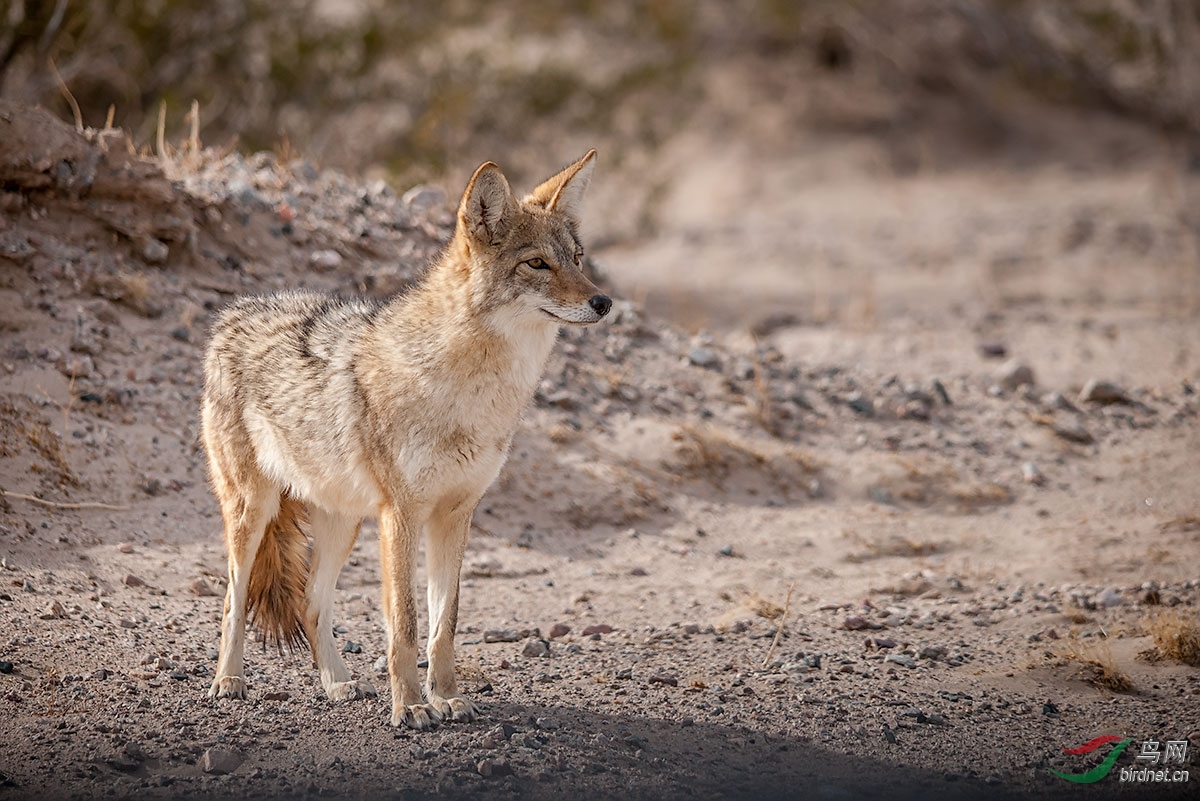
320	411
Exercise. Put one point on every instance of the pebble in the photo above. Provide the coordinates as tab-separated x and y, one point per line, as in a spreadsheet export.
125	547
559	630
664	678
536	647
1070	429
861	404
352	647
855	623
200	587
6	667
1031	474
53	611
131	580
597	628
725	550
932	652
220	761
1104	392
940	390
489	768
549	724
381	664
1109	598
1013	374
325	260
155	251
901	659
993	350
501	635
703	357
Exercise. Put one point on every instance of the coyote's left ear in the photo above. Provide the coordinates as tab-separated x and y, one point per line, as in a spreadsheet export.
564	192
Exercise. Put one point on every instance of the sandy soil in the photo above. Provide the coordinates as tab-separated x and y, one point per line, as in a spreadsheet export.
787	526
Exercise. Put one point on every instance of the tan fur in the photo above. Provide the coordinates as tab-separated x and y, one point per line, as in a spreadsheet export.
405	410
275	601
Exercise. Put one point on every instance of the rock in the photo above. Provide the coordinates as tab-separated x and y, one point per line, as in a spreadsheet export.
536	647
200	587
940	390
492	768
501	635
549	724
123	762
664	678
381	664
125	547
1031	474
181	333
178	675
325	260
703	357
220	761
855	623
99	675
351	647
1105	392
1070	429
932	652
725	550
1109	598
76	366
993	350
597	628
6	667
1013	374
277	695
53	611
559	630
901	659
155	251
131	580
861	404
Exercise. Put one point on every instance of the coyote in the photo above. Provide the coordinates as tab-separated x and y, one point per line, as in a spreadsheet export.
319	411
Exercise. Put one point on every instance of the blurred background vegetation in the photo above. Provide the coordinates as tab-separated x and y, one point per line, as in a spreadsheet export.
404	88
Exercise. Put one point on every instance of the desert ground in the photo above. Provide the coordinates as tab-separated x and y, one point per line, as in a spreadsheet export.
882	481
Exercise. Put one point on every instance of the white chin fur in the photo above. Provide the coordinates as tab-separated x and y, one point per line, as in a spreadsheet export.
572	315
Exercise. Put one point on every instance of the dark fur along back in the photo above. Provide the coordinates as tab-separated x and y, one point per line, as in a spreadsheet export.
275	604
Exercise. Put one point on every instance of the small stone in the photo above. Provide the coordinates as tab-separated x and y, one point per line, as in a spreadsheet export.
181	333
881	495
501	635
352	647
1104	392
178	675
861	404
492	768
664	678
855	623
1109	598
155	251
536	647
1013	374
381	665
703	357
98	675
993	350
220	761
1049	708
549	724
932	652
325	260
126	623
125	547
131	580
725	550
597	628
940	390
901	659
200	587
53	611
559	630
277	695
6	667
1070	429
123	762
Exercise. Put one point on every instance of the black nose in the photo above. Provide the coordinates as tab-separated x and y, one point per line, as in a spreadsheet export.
600	304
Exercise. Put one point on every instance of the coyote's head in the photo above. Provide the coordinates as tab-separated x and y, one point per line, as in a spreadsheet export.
525	256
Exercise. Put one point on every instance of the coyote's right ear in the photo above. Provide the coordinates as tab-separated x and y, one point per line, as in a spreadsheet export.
487	204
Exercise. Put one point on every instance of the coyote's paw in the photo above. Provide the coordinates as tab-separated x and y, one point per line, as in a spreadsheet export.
228	687
455	708
421	717
350	690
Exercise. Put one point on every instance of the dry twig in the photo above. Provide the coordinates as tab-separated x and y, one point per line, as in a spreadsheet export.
58	505
787	604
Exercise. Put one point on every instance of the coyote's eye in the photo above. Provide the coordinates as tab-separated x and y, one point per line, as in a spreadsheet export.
538	264
578	258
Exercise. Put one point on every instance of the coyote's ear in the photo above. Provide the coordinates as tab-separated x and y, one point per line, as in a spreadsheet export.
564	192
487	205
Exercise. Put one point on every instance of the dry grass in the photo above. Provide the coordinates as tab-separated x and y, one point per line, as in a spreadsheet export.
1176	635
750	604
1097	665
892	546
717	455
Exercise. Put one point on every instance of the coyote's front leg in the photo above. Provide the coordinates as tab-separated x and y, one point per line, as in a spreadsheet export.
444	546
398	552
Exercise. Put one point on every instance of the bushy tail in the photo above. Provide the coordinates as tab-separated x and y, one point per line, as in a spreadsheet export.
277	579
